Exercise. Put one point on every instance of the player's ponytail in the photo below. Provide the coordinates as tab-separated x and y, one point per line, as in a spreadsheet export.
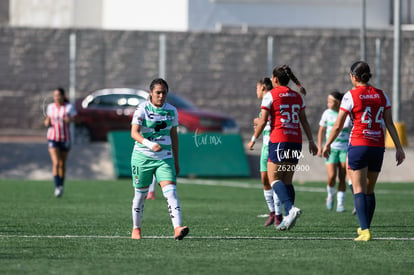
292	77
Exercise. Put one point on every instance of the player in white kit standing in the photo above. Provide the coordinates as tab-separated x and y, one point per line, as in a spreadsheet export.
154	129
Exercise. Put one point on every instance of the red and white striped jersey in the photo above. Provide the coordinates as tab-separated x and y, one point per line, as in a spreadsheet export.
284	106
365	106
59	130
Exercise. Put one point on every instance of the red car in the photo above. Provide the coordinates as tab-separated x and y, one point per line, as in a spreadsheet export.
111	109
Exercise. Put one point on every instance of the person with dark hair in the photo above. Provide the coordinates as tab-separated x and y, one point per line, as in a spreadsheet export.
263	86
368	108
336	163
154	129
286	110
59	115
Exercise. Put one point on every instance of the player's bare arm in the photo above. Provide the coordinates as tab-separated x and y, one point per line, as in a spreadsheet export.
135	134
336	129
313	149
261	124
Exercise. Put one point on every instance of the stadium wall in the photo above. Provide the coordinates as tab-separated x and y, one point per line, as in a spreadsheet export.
216	71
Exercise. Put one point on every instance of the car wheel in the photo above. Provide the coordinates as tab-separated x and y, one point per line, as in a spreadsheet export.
82	135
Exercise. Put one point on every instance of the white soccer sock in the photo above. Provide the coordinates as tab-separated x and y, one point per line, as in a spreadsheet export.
138	206
170	193
268	195
152	186
277	204
340	197
331	191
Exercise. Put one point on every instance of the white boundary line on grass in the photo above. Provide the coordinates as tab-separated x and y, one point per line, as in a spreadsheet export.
232	183
195	237
298	187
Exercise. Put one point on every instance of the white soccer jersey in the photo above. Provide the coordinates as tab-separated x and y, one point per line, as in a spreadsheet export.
59	130
156	124
328	120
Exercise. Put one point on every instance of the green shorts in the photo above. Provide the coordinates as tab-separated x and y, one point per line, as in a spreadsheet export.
337	156
143	168
264	155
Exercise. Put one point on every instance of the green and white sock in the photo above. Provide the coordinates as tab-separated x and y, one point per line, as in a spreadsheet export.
331	192
170	194
340	197
138	206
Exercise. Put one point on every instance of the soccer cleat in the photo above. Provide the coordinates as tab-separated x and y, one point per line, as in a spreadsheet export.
294	214
59	191
270	219
340	208
278	220
359	231
136	234
282	225
151	196
329	203
364	236
180	232
354	211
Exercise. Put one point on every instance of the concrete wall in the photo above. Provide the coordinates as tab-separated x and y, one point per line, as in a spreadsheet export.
216	71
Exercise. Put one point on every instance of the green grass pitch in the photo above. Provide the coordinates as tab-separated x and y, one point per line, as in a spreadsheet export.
87	231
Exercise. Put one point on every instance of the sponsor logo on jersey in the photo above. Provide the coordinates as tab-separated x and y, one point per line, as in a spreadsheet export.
287	94
154	116
371	134
375	96
288	132
290	125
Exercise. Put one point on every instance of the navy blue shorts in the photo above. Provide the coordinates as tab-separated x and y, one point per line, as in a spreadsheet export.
360	157
63	146
281	152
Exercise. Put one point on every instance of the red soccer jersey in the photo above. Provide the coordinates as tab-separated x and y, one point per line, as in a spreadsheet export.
59	130
284	106
366	105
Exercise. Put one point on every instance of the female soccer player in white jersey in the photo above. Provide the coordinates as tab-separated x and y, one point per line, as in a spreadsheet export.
286	109
58	117
154	129
273	203
368	108
336	163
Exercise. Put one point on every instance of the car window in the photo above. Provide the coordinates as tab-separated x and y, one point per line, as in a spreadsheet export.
116	101
133	100
179	102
